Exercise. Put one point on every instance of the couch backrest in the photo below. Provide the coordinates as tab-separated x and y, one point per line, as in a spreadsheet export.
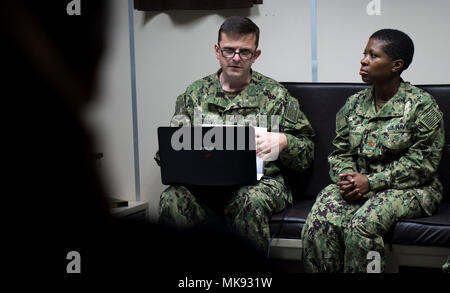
320	103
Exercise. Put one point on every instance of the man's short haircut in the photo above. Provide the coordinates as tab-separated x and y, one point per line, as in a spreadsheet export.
398	45
239	25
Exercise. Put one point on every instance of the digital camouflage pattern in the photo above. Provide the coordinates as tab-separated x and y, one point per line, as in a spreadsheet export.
247	208
398	149
204	102
338	234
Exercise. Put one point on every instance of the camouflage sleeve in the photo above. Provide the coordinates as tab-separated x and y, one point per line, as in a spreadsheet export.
182	116
342	158
157	158
299	152
419	164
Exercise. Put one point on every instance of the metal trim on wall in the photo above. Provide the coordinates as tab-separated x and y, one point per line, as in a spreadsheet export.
313	16
137	180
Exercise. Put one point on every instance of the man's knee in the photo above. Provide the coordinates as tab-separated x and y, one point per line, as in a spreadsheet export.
256	203
268	195
177	206
172	195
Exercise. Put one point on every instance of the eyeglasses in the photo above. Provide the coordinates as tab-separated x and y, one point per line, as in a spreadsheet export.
243	54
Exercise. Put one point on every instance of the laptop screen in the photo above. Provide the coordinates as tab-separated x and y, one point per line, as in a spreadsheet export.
208	155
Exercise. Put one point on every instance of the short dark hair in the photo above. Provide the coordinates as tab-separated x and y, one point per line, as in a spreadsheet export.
398	45
239	25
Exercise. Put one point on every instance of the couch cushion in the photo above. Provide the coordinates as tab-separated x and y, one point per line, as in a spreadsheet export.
425	231
289	223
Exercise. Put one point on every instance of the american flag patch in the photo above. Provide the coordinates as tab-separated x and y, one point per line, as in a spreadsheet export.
431	118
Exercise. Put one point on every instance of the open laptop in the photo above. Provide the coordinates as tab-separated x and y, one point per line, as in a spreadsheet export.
207	156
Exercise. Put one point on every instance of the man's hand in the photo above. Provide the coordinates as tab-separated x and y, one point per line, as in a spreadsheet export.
270	144
353	185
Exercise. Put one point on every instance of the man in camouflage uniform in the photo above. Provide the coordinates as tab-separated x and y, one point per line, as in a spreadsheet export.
237	95
384	165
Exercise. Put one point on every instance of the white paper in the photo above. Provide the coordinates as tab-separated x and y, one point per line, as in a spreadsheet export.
259	161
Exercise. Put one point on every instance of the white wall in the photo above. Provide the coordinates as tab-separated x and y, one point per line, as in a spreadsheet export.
343	28
174	48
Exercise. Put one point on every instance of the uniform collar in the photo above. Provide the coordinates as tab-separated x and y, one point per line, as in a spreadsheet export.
247	98
215	95
395	107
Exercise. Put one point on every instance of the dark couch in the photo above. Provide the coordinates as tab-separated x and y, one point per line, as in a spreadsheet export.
419	242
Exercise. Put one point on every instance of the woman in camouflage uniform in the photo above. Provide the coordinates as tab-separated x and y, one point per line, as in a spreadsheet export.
388	145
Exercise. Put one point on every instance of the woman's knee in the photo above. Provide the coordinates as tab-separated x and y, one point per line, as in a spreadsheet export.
329	194
179	207
329	202
367	226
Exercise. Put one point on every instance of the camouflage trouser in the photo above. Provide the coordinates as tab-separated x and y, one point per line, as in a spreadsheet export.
339	234
248	208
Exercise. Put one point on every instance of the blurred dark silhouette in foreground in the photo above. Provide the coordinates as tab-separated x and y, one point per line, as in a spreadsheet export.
56	200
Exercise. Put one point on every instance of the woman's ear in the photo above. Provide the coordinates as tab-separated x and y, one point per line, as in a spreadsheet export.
398	65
